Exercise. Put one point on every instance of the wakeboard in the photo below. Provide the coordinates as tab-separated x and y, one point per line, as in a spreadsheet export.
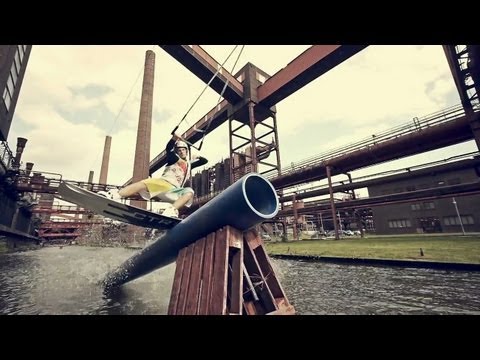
113	209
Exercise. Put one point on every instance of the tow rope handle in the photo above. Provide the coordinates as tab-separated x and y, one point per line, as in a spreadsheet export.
188	142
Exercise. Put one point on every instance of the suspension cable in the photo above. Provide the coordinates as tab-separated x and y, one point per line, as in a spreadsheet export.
218	102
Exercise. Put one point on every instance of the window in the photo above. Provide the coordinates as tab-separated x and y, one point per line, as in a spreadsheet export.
402	223
17	62
21	50
7	99
10	85
13	76
429	205
415	207
454	220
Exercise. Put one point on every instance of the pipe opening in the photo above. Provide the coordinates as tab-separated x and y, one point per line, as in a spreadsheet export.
261	196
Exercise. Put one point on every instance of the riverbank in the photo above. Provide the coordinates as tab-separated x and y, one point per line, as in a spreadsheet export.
12	244
438	248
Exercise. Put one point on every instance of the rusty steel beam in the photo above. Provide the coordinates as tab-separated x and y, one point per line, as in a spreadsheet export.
314	62
439	192
463	164
458	77
200	63
311	64
430	138
58	235
62	225
213	119
434	137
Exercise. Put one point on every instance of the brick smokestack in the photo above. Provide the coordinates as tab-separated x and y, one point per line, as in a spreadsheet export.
105	160
90	180
142	149
20	147
28	168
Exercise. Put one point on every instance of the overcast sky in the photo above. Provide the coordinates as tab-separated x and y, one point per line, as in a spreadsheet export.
73	96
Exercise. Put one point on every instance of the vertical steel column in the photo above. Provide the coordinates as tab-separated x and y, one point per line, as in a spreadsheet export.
232	155
355	215
295	214
332	203
251	118
277	144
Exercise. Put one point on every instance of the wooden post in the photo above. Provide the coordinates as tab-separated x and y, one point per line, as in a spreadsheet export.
226	273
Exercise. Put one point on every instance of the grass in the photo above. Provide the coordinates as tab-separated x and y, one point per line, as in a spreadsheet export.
448	248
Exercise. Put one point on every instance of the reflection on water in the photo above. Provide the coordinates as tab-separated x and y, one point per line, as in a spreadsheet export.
68	281
325	288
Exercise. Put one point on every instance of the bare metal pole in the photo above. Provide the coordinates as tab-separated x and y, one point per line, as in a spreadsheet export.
458	214
251	116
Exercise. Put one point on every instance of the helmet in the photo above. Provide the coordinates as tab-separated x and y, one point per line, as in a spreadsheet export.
181	144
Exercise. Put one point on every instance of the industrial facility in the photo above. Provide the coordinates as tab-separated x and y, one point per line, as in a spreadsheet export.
436	197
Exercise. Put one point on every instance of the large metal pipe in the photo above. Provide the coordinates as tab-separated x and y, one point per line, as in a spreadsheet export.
249	201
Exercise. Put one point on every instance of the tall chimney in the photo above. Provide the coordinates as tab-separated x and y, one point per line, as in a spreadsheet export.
105	160
142	149
28	168
20	147
90	180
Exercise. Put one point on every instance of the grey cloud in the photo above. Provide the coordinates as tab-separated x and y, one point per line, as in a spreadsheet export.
98	115
90	91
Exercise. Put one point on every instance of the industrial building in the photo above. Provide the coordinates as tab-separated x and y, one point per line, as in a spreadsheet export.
13	63
434	214
15	210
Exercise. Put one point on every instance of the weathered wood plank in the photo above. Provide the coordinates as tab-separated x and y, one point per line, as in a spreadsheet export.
218	296
182	299
193	293
227	272
235	240
207	275
176	287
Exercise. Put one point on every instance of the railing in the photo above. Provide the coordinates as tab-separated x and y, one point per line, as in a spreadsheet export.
37	181
6	155
416	125
294	189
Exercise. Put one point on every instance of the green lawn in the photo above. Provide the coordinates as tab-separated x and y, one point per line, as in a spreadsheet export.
462	249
